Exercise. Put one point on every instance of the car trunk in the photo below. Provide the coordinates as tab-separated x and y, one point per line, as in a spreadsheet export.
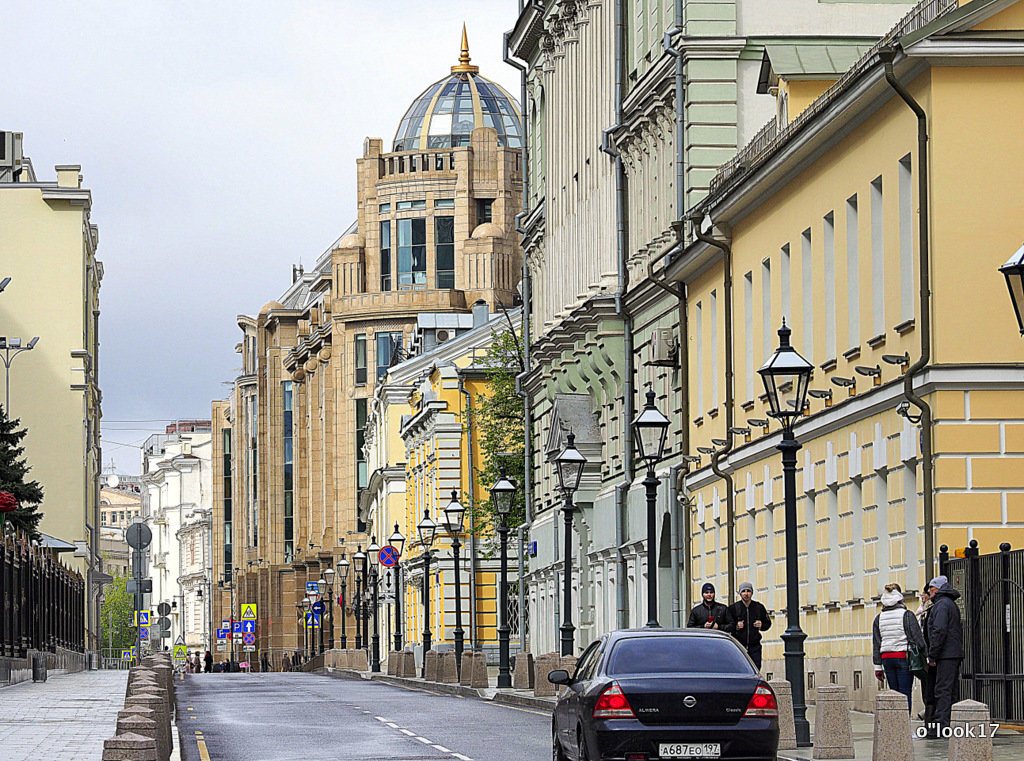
718	699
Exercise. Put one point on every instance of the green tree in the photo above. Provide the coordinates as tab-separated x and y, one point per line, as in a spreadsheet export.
13	470
117	616
498	417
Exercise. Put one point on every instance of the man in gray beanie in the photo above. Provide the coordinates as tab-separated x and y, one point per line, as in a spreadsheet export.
944	633
751	619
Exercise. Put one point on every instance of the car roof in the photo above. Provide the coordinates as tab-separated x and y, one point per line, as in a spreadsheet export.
664	632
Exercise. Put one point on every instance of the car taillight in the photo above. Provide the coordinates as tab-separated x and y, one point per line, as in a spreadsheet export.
612	704
762	702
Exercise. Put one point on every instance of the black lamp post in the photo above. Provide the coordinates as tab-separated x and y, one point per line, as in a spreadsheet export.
1013	271
308	636
650	429
360	558
374	552
786	375
10	344
454	514
426	529
397	542
343	566
502	494
569	467
327	589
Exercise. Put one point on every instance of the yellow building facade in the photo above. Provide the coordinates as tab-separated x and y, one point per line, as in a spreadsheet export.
877	236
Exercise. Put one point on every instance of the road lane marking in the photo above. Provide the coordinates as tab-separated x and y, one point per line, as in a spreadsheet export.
462	757
443	749
424	740
204	754
407	732
393	726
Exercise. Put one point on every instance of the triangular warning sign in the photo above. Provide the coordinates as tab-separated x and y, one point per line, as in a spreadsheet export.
180	640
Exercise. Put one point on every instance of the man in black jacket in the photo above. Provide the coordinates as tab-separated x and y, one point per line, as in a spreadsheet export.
945	647
751	618
710	614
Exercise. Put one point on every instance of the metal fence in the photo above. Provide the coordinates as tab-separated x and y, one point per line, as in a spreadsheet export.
992	607
42	602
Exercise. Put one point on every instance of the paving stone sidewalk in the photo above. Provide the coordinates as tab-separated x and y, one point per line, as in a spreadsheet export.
65	718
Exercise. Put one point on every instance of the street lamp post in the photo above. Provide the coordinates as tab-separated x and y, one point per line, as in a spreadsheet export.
343	566
307	635
502	494
360	558
454	514
426	529
786	375
8	345
650	429
326	587
569	467
397	541
374	552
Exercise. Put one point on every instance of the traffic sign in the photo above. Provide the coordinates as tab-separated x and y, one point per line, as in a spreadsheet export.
236	637
144	633
138	536
180	640
222	634
312	621
312	588
142	617
248	611
248	626
236	627
221	648
318	607
225	623
180	652
249	638
388	556
250	648
164	609
126	655
135	651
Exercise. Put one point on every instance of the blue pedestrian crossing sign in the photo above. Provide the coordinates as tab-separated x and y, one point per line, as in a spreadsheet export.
248	627
143	633
236	627
312	621
126	655
142	618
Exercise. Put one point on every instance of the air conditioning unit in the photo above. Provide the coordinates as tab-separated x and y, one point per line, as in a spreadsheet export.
664	348
443	334
11	156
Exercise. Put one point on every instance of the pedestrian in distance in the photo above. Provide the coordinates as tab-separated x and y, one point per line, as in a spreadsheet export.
208	660
894	631
264	662
710	614
189	665
751	619
928	681
286	663
197	665
945	649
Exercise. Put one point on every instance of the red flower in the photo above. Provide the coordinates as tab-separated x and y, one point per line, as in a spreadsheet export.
7	502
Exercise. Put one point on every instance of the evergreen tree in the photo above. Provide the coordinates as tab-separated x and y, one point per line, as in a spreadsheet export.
13	471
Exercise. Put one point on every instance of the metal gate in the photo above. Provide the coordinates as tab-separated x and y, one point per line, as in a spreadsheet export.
992	608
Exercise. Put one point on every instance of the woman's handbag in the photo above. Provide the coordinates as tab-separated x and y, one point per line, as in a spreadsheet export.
916	661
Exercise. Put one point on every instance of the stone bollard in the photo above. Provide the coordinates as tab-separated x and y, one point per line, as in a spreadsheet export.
430	663
357	660
567	662
466	668
891	740
447	673
479	678
787	724
157	701
129	747
545	664
970	717
407	664
165	677
136	724
833	731
343	658
522	679
392	663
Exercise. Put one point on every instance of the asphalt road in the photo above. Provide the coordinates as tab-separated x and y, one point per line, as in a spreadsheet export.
309	717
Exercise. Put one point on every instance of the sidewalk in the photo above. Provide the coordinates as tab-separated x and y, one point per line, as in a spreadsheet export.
65	718
1008	745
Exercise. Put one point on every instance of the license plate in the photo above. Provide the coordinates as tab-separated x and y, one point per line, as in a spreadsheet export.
690	750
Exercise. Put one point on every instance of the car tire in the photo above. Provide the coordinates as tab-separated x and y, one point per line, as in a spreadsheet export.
557	754
584	748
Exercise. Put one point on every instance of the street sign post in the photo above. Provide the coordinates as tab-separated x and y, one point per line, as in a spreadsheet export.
142	617
388	556
138	536
248	627
249	638
144	633
318	607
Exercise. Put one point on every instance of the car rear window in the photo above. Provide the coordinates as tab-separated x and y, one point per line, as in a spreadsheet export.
676	655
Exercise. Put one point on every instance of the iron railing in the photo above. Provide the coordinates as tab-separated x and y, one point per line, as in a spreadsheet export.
770	137
42	602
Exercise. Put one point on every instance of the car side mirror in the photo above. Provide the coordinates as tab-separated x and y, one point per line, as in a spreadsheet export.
559	676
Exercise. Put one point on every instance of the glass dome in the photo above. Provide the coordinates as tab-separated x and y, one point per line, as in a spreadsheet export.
445	114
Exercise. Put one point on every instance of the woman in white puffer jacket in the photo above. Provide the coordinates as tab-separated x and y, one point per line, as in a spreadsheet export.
894	629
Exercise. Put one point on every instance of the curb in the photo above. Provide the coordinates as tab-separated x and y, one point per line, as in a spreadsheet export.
490	694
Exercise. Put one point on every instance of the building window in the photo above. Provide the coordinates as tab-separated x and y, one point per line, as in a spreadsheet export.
388	344
444	203
361	474
227	501
407	205
412	253
360	359
444	251
483	210
385	255
384	208
289	474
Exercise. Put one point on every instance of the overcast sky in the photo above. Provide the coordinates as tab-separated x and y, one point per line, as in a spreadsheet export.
219	141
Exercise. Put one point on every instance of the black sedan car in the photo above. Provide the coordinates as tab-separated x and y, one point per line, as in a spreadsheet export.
653	694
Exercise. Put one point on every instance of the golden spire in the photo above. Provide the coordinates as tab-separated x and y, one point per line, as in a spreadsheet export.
464	56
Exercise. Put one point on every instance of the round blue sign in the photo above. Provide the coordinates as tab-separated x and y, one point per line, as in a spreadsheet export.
388	556
318	607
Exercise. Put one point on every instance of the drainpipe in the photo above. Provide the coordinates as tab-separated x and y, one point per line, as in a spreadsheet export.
523	531
887	54
622	489
716	458
471	488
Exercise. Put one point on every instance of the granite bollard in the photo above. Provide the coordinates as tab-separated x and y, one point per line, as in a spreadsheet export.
392	663
833	730
970	724
137	724
156	700
522	678
430	663
891	740
545	664
479	678
407	664
129	747
357	660
787	722
466	668
448	669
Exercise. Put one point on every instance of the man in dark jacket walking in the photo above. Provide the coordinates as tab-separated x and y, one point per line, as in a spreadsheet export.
710	614
945	647
751	618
